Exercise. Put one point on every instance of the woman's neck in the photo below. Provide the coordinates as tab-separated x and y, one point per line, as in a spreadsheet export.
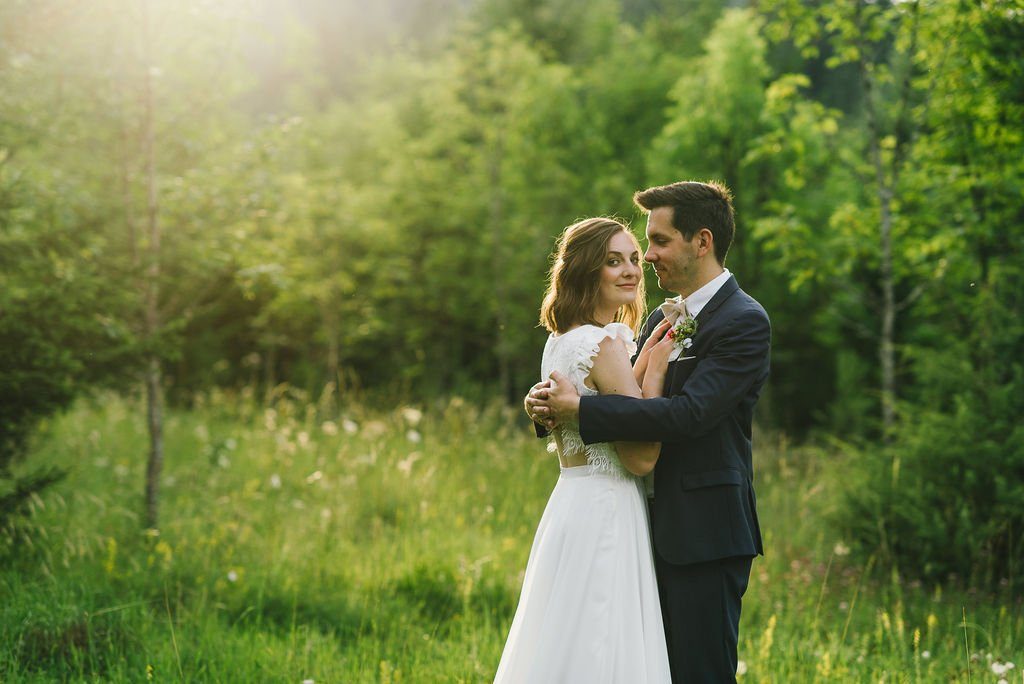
605	316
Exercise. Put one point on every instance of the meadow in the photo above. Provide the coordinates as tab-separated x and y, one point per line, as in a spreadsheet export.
355	544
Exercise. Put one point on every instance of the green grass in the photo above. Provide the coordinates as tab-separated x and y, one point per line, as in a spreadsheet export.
385	547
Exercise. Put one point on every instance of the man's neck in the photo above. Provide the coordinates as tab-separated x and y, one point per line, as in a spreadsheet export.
706	276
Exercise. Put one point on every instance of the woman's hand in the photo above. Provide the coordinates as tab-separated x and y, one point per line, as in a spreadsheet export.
655	337
640	367
657	364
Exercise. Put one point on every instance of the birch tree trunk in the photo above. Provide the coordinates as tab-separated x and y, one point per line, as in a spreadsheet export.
496	217
153	376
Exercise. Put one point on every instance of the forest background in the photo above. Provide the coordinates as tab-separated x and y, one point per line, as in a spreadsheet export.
350	207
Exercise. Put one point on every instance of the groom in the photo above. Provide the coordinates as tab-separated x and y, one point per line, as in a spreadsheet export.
703	515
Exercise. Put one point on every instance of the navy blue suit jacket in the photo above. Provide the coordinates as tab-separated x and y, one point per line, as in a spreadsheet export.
704	506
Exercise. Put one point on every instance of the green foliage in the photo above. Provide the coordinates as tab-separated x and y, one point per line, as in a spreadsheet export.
944	496
368	199
53	340
394	542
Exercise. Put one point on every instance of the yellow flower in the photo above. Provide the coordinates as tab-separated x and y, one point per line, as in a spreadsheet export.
111	561
766	640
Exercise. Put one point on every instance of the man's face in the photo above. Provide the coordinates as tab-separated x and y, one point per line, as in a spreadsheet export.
674	257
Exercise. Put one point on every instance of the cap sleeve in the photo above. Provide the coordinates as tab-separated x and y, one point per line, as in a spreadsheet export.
590	345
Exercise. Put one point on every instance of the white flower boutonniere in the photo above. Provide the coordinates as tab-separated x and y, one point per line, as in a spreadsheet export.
682	333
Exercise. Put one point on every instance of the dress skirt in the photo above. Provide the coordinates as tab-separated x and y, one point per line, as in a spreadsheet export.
589	609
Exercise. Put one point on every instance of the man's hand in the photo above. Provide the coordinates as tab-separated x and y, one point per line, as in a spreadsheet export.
562	402
535	405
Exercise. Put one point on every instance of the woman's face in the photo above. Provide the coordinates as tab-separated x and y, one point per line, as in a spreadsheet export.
621	272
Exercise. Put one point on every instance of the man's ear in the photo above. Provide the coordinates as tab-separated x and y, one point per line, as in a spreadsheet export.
705	241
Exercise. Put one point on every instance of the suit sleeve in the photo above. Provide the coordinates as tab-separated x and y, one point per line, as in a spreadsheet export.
645	331
736	361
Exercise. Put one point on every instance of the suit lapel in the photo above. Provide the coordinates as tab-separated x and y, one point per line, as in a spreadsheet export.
723	294
680	370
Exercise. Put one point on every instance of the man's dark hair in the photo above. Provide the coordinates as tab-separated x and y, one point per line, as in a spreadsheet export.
695	206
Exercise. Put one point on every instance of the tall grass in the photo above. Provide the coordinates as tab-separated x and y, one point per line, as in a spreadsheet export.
366	545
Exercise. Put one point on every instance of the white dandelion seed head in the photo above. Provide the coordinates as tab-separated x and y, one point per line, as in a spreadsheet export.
412	415
999	668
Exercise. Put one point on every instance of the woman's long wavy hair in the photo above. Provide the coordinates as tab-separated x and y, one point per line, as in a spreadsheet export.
575	278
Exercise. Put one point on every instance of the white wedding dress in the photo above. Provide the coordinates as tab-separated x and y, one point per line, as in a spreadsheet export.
589	609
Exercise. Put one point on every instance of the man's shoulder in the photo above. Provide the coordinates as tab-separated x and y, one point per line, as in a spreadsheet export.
745	304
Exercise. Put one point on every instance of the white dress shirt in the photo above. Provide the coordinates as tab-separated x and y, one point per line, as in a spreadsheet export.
699	299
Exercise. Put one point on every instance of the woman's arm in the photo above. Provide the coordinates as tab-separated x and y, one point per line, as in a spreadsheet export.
642	359
612	374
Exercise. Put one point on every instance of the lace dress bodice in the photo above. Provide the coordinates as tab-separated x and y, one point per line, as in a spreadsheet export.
572	354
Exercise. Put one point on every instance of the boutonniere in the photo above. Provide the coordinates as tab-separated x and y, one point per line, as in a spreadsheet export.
683	331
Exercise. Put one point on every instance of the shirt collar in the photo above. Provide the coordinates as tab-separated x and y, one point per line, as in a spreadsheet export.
699	299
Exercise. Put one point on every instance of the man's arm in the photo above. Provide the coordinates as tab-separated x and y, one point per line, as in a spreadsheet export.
721	380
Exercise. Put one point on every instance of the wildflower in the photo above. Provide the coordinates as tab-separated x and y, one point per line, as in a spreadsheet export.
1000	669
230	443
411	415
111	561
329	428
932	621
413	436
315	476
303	438
767	638
275	481
925	655
405	465
349	426
841	549
164	549
307	681
232	576
376	428
741	668
843	606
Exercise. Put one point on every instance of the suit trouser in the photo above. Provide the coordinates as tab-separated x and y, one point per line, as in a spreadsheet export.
700	605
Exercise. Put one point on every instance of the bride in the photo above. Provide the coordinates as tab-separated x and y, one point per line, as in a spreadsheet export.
589	609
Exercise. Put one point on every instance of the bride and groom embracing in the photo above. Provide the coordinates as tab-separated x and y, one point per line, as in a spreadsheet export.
643	553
